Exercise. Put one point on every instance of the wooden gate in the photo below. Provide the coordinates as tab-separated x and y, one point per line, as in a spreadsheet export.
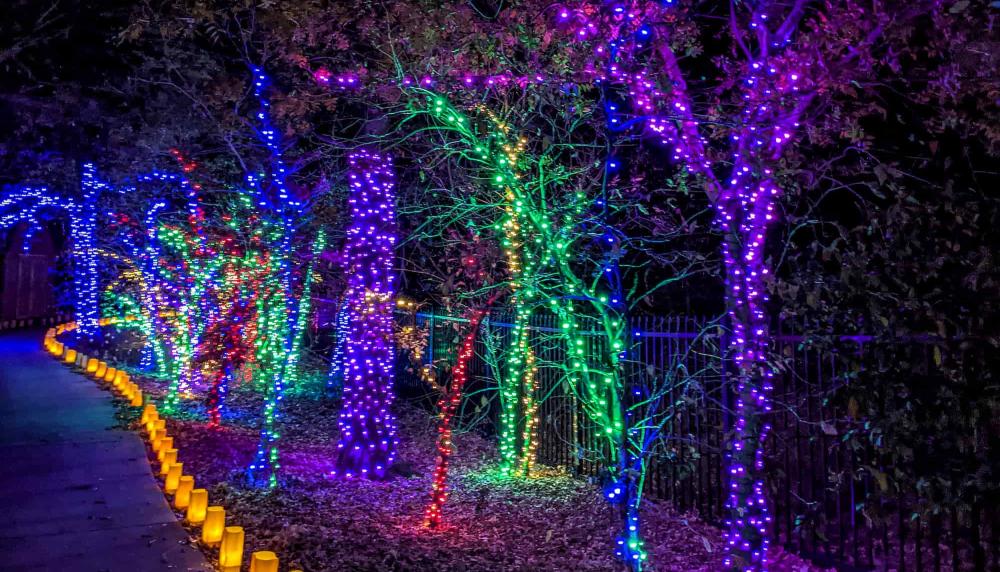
27	289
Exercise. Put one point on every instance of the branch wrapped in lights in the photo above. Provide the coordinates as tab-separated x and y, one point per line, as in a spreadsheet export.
335	377
283	316
33	204
85	226
776	83
367	445
448	404
232	337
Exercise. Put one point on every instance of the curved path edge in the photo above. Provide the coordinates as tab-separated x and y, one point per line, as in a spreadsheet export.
75	492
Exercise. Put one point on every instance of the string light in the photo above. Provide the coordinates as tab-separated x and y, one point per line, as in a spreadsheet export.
776	88
455	81
448	406
367	445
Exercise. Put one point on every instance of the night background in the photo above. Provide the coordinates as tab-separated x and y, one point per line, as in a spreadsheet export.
518	285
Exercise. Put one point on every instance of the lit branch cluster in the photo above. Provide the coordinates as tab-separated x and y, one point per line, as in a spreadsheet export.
774	85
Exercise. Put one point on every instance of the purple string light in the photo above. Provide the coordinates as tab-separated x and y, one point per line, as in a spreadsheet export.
776	88
458	80
368	439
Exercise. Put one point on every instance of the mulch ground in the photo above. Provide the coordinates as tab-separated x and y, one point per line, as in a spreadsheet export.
317	523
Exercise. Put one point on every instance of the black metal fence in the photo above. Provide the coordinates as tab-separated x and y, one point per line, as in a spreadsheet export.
830	498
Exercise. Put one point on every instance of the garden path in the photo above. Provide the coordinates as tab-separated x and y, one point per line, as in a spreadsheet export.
76	493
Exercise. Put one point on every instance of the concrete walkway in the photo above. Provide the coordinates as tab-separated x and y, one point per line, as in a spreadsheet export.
75	494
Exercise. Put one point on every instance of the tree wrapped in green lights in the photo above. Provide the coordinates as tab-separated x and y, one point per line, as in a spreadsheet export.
546	226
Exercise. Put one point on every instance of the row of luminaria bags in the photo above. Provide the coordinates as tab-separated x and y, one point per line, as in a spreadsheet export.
187	499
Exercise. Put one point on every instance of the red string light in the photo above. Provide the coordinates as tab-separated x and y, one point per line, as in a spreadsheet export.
448	404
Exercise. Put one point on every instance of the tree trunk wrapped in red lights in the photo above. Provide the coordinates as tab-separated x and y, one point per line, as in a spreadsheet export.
233	348
367	426
448	404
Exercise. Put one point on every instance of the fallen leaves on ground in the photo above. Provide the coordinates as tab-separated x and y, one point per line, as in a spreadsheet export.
551	521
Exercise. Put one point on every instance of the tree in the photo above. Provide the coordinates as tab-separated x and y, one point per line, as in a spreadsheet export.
368	438
782	59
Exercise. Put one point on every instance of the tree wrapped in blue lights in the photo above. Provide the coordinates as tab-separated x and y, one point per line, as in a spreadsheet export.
283	313
335	377
368	439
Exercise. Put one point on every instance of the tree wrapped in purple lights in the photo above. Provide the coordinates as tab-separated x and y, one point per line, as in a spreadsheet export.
773	80
368	439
